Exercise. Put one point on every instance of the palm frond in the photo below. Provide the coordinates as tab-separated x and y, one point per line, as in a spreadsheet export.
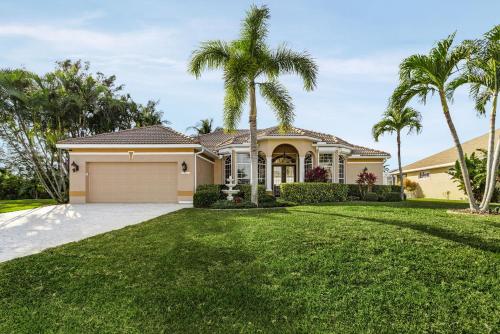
236	96
280	101
210	55
254	27
287	61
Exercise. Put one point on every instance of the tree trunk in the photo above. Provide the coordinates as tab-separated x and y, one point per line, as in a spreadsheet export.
493	161
402	188
461	159
253	145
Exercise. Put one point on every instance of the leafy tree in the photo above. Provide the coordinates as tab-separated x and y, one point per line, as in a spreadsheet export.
203	127
38	111
365	180
477	166
482	73
396	120
423	75
249	63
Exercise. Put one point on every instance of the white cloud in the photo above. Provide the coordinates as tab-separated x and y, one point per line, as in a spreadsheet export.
382	67
79	38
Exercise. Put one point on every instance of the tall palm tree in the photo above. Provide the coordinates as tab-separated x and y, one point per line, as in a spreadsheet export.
248	63
482	73
203	127
396	120
424	75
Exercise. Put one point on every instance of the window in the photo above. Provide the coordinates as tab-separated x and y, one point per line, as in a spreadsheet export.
228	169
424	174
308	162
243	167
261	171
326	161
341	169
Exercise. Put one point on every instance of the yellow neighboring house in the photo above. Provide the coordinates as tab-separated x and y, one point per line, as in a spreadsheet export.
431	173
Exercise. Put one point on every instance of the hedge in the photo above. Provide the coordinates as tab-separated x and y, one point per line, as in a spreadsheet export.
205	198
391	197
371	197
314	192
246	191
379	189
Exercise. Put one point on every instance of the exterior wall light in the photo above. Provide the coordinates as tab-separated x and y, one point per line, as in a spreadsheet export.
184	166
75	168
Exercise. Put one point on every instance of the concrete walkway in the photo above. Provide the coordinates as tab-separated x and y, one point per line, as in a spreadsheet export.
31	231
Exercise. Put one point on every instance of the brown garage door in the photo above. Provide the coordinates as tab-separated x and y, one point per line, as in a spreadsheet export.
132	182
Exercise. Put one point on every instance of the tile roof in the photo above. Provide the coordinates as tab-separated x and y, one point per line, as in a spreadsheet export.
450	155
220	139
155	134
159	134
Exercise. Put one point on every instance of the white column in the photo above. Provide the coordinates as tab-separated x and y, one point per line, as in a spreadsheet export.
269	173
301	168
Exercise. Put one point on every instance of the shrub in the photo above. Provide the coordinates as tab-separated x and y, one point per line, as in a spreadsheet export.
205	198
317	174
371	197
353	190
314	192
366	180
214	188
410	186
246	191
391	197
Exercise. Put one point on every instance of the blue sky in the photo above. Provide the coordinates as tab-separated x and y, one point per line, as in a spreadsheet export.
357	45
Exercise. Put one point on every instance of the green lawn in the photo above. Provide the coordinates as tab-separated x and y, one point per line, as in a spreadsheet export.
343	268
23	204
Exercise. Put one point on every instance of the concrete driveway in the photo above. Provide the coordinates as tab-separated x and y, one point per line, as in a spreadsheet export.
31	231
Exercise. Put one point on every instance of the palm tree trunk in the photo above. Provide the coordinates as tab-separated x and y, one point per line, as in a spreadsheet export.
402	189
253	145
461	159
489	158
493	161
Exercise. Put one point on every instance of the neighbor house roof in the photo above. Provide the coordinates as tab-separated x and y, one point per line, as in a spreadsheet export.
447	157
155	135
219	139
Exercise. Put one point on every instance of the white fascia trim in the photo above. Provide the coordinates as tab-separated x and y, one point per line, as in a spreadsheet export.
69	146
365	162
210	161
185	202
355	156
209	152
449	164
127	153
288	137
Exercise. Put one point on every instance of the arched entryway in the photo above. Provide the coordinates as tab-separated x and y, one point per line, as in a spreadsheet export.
285	160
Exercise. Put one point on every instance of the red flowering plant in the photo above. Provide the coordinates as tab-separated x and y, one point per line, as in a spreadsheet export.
317	174
365	180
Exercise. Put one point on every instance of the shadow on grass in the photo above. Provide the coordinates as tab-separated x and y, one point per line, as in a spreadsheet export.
467	240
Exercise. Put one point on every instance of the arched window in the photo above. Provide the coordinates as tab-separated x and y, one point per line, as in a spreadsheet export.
228	170
261	171
308	162
341	169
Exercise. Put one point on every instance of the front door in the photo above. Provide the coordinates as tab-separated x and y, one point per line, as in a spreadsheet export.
282	174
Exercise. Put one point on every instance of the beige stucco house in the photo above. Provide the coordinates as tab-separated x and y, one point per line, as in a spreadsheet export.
431	173
159	164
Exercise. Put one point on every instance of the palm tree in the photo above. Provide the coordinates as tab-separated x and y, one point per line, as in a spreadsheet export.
424	75
203	127
482	73
248	63
395	120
